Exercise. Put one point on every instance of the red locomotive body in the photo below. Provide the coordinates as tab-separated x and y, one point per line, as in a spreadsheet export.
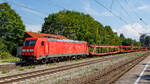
45	48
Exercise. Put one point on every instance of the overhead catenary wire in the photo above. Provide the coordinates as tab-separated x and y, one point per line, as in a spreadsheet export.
111	4
135	13
37	12
124	10
30	20
27	7
56	5
120	18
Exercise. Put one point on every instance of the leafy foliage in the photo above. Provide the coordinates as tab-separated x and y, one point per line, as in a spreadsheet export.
145	40
5	55
3	47
129	41
11	27
79	26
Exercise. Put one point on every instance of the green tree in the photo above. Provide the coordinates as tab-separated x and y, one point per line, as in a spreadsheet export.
79	26
3	47
110	37
122	36
73	25
127	42
11	27
147	41
142	39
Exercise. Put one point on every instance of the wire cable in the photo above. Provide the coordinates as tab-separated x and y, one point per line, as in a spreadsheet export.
111	4
135	12
125	11
37	12
120	18
56	5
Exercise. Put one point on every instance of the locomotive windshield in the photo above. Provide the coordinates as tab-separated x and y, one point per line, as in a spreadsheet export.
29	42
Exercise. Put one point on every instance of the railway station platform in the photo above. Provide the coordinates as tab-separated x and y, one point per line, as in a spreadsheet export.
140	74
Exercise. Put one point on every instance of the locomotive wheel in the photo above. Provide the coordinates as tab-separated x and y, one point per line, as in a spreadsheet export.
44	61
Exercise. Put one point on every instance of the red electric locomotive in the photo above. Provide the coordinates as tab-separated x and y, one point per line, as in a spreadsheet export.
46	49
42	49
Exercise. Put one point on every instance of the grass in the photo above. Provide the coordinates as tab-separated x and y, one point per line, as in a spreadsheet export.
53	64
80	59
4	61
21	69
10	60
30	67
4	71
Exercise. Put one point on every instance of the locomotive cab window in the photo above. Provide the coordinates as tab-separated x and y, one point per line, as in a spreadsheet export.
42	43
29	42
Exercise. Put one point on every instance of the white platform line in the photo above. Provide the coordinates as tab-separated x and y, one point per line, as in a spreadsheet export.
138	79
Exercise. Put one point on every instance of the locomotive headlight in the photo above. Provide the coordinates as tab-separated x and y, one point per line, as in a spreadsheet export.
31	50
23	50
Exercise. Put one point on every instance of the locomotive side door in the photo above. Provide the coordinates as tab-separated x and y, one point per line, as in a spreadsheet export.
44	48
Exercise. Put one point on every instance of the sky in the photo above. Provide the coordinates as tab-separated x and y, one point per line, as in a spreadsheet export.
130	17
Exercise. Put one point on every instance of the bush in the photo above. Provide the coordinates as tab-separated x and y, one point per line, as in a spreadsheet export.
5	55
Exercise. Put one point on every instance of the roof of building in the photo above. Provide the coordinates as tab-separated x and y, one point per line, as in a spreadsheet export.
39	35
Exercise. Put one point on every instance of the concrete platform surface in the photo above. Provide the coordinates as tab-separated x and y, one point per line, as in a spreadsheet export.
140	74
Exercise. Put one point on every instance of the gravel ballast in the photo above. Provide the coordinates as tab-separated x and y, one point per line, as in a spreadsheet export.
72	73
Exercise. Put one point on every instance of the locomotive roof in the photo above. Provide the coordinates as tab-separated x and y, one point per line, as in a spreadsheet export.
41	35
65	40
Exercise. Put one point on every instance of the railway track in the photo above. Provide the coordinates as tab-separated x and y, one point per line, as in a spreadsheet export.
112	73
33	74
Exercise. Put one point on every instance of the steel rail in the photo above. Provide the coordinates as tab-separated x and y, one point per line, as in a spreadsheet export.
28	75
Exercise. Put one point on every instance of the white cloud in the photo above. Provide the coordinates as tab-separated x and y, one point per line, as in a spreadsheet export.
33	28
142	7
132	30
